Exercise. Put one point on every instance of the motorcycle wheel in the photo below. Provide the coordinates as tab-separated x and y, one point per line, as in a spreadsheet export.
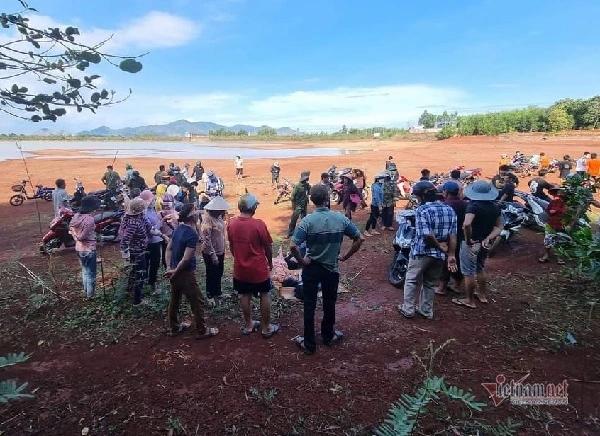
48	196
50	246
398	269
16	200
335	197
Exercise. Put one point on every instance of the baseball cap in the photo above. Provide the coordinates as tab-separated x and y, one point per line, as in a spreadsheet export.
451	187
248	202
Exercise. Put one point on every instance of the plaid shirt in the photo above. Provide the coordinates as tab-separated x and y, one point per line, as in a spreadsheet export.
436	219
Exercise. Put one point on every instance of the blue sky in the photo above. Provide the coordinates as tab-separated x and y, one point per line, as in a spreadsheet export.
319	64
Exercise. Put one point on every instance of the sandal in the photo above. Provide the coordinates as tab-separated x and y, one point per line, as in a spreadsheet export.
178	330
337	337
481	299
542	260
461	302
255	327
299	341
272	330
403	313
210	332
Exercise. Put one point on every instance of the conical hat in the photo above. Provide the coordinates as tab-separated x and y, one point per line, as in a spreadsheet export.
217	203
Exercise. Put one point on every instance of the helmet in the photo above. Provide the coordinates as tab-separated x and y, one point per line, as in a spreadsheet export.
422	187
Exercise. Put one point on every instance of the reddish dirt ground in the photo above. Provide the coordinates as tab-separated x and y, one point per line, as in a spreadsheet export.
133	387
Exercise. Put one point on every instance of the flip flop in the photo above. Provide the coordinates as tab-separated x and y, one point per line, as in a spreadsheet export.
210	332
460	302
481	299
403	313
274	329
337	337
179	330
255	327
299	341
541	260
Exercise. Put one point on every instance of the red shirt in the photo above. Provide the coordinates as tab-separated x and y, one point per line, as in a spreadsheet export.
248	238
556	212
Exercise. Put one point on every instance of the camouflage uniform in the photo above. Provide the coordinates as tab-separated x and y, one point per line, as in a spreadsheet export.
299	204
390	191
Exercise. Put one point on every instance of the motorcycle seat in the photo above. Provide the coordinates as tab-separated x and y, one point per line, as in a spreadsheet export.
104	215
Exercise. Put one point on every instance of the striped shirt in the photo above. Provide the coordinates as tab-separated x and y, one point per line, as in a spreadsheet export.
323	232
135	233
436	219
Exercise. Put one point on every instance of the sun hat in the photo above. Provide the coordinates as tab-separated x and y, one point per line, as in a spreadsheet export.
304	176
481	190
276	164
451	187
147	196
89	203
136	206
248	202
173	190
382	175
217	203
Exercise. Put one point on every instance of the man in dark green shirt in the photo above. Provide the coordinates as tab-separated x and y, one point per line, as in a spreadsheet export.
299	201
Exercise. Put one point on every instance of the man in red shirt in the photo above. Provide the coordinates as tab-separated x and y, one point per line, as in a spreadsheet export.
556	212
251	247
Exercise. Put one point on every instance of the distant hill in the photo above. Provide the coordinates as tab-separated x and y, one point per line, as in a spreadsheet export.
178	128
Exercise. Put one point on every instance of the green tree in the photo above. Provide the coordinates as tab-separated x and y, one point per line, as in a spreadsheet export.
59	61
266	131
427	120
559	119
591	115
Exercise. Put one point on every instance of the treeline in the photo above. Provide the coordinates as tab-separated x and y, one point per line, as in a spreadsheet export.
563	115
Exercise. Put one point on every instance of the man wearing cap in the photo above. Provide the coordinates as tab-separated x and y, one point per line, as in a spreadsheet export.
181	259
482	224
452	197
275	170
435	239
390	191
251	247
323	232
111	178
376	204
299	201
82	228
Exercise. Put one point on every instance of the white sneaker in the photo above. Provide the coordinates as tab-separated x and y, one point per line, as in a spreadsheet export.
367	234
375	232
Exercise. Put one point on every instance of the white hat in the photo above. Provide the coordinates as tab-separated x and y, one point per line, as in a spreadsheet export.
217	203
173	190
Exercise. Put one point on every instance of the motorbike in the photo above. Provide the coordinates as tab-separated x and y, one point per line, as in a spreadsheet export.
535	210
107	226
513	215
22	195
58	234
109	200
402	241
338	185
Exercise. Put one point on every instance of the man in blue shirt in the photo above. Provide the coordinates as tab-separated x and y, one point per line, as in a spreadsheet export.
181	259
323	232
376	205
435	239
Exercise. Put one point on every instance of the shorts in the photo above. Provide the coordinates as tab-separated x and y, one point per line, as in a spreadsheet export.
239	171
245	288
471	263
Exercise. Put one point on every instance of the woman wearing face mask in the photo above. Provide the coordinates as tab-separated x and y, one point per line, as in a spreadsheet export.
168	218
213	245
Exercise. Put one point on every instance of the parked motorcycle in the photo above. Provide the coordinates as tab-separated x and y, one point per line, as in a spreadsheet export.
22	195
513	216
535	210
109	200
107	226
404	237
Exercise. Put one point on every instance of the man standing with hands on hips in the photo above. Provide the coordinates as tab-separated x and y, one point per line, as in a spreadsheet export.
323	232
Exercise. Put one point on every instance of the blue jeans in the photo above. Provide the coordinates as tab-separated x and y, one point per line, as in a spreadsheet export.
87	259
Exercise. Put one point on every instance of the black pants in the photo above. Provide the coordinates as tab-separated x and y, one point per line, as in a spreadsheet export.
298	213
387	216
153	261
163	254
372	221
312	275
137	275
214	274
274	178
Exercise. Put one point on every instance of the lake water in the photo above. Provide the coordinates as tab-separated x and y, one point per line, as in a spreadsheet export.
175	150
167	149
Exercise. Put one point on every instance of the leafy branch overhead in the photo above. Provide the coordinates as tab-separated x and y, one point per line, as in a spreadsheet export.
59	63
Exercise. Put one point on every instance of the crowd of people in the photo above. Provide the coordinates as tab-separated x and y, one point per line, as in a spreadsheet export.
167	224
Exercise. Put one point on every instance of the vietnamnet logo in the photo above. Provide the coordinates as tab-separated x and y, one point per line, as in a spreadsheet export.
520	393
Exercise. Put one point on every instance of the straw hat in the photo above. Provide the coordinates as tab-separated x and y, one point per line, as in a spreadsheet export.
217	203
136	206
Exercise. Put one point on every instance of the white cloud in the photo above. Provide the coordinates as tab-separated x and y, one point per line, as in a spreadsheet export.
155	29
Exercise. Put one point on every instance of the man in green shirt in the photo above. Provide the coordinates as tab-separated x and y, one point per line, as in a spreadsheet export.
111	178
323	232
299	201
